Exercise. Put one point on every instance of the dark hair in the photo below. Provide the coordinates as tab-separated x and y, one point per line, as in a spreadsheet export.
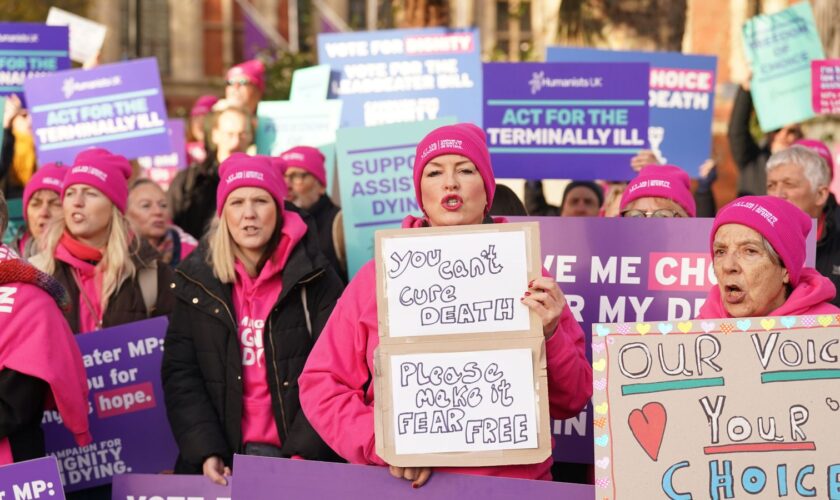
595	188
505	202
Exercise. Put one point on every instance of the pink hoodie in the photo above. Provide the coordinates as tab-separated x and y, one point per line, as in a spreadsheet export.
811	296
35	340
332	385
253	299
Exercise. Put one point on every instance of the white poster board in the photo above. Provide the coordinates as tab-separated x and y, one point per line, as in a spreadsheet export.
86	36
285	124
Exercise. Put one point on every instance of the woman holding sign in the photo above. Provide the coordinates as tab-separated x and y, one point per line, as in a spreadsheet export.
112	276
251	303
758	251
454	185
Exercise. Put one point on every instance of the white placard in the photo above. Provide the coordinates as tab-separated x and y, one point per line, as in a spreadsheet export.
285	124
86	36
459	283
463	401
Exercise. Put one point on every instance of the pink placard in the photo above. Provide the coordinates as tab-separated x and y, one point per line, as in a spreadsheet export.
825	79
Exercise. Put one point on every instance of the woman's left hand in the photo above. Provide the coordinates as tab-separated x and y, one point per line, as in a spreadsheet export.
546	299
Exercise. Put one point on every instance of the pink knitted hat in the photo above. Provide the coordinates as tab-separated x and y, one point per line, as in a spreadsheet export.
240	170
103	170
309	159
49	176
203	105
463	139
253	71
661	181
781	223
821	149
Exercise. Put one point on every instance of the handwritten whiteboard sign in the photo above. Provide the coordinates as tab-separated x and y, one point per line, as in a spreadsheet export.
717	408
456	280
462	403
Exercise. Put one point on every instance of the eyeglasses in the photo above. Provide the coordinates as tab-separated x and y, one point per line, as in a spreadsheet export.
662	213
237	83
296	177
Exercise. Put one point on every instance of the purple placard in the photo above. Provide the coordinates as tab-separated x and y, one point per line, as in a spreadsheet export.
825	86
163	168
565	120
260	478
127	417
168	486
31	480
118	107
30	50
623	270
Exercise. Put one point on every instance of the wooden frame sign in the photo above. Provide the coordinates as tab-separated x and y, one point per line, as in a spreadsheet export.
460	371
729	408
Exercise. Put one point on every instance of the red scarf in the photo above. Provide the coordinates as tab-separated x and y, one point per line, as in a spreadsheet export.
80	250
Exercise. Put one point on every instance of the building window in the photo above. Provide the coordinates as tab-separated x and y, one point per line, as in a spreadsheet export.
145	31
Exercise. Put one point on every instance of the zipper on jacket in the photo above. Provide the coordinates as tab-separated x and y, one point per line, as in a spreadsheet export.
230	315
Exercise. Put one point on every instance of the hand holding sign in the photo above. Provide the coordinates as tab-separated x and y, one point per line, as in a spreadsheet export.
546	299
418	475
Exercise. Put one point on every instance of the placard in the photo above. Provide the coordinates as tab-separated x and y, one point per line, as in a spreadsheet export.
118	107
681	100
86	36
564	120
400	76
462	402
128	417
779	48
310	84
31	479
717	408
285	124
825	86
376	179
29	50
261	478
164	167
168	487
456	280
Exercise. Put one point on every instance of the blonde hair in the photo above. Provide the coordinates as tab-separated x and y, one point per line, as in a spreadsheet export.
116	250
221	253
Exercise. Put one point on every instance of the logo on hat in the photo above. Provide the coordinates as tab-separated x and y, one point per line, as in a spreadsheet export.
294	156
758	209
84	169
245	174
52	181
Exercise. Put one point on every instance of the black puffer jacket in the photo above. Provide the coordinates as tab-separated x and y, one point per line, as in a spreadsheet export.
202	362
828	247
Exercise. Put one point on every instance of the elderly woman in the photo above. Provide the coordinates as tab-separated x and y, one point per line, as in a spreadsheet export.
659	191
149	215
758	250
454	185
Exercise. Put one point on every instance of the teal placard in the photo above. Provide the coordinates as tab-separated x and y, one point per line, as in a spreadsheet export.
328	150
285	124
310	84
780	48
375	166
16	221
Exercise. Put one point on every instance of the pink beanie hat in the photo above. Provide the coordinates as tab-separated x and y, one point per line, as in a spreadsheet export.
253	70
240	170
203	105
821	149
307	158
49	176
103	170
463	139
781	223
661	181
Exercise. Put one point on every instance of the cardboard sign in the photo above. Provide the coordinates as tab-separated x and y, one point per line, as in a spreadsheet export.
29	50
164	167
400	76
285	124
116	106
825	86
31	479
86	36
128	417
456	280
310	84
681	100
717	409
168	487
564	120
780	48
261	478
610	274
375	175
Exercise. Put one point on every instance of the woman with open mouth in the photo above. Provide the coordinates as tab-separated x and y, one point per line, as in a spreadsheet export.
454	185
758	253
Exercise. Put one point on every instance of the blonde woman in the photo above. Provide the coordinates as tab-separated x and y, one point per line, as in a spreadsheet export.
250	305
112	276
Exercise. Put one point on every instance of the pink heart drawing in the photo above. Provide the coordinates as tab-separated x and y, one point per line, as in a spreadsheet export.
600	384
648	427
598	347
